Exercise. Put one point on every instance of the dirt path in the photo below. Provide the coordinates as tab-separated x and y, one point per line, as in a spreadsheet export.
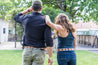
10	46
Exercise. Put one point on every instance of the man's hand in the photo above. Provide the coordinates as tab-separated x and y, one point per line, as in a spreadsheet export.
28	10
50	61
50	52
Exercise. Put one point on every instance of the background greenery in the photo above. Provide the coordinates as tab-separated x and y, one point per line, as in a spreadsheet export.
14	57
84	10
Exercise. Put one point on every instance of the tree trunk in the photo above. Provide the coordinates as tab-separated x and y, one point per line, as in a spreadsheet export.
15	35
62	5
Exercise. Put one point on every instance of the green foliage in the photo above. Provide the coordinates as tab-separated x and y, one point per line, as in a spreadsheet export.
52	12
4	8
84	10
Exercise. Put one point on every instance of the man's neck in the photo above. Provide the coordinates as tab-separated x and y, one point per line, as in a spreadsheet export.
37	11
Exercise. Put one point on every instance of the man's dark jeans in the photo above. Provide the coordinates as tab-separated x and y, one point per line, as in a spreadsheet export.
66	58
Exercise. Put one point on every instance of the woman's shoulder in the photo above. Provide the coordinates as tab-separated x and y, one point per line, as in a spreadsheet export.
74	34
60	27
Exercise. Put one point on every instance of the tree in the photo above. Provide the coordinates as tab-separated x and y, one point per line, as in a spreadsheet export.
4	8
52	12
78	9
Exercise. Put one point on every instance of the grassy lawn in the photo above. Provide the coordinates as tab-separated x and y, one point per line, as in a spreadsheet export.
14	57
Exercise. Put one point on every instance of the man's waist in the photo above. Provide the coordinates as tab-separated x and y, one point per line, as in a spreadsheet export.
35	44
42	48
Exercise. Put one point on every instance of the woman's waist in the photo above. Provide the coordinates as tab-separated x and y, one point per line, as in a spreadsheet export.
65	46
66	49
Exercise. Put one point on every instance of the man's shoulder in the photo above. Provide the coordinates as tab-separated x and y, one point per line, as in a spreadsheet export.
31	15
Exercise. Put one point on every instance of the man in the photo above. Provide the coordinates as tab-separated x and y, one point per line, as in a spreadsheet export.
37	35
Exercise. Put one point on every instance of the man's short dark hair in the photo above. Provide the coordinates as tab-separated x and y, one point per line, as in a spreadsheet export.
37	5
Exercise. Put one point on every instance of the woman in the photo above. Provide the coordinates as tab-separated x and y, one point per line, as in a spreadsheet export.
66	39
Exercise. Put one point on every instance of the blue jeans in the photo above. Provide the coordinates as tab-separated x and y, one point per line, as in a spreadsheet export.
66	57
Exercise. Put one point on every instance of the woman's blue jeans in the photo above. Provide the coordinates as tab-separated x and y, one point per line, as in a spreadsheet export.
66	57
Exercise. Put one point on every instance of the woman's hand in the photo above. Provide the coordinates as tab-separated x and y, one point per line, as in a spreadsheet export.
47	18
52	25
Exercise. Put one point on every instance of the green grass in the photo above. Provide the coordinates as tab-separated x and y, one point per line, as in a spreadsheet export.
14	57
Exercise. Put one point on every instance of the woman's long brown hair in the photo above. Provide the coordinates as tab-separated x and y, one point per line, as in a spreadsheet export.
63	20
